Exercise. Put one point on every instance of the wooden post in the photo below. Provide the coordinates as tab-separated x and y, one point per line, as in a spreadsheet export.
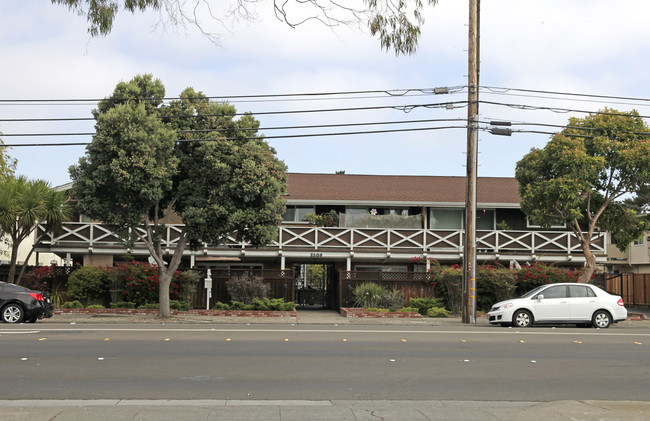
469	250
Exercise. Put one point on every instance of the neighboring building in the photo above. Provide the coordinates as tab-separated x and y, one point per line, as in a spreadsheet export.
383	222
635	259
36	259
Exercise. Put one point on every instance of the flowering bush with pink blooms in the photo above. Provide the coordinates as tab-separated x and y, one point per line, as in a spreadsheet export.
39	278
537	274
141	282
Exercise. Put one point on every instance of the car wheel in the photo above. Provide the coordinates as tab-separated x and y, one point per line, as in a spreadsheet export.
601	319
522	318
12	313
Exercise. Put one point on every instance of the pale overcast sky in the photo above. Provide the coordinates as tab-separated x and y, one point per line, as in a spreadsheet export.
591	47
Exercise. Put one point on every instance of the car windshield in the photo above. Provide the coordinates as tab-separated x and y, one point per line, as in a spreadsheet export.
533	292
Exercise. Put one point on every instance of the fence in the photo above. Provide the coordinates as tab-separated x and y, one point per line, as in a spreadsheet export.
411	284
634	288
281	284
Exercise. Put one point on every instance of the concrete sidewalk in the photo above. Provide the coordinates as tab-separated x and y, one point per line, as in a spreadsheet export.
306	317
162	410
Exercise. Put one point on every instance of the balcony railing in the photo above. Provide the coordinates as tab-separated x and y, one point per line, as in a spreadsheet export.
91	235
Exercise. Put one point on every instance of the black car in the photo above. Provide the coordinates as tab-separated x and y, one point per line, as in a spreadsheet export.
19	304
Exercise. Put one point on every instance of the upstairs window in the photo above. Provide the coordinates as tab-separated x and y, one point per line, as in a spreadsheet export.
297	213
372	217
531	224
485	219
446	219
454	219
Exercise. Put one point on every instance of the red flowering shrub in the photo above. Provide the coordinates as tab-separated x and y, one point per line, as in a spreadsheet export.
39	278
530	277
141	282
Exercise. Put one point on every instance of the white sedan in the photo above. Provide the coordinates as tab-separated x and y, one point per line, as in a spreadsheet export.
580	304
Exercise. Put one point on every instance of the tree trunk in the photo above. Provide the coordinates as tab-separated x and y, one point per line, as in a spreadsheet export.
12	262
590	267
24	266
165	278
167	273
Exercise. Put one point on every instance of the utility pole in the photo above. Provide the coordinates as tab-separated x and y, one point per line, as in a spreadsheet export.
469	249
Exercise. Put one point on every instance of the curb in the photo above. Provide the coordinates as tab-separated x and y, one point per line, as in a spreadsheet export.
154	312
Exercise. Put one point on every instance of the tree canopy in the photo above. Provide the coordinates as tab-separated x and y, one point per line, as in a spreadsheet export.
583	176
397	24
149	161
23	205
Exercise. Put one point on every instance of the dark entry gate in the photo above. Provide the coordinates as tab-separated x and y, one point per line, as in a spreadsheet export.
316	286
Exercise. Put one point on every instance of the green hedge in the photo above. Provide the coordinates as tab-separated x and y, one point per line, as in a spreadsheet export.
259	304
424	304
89	285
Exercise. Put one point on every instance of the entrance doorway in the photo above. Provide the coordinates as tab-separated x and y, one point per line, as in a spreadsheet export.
316	286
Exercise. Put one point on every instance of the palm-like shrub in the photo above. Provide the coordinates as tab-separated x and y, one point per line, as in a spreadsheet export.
368	294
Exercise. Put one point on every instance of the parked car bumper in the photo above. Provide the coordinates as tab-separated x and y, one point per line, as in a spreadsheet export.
48	309
619	315
39	310
500	316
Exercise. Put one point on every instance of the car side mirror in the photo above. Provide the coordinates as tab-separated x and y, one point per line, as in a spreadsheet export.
540	297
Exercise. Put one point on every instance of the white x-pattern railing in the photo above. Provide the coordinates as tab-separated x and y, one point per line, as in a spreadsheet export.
350	239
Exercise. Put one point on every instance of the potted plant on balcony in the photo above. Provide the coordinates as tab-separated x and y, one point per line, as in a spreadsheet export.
329	219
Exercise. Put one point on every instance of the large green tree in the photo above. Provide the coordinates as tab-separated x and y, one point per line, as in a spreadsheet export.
583	175
640	203
396	23
24	204
150	161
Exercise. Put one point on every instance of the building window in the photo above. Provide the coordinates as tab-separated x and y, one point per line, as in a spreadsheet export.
380	218
639	241
531	224
485	219
377	211
444	219
297	213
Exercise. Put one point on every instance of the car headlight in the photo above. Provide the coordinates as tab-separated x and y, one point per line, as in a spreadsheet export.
502	307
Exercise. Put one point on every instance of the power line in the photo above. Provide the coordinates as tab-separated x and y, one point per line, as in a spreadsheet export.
376	123
308	135
393	92
571	99
555	109
493	88
312	95
314	126
405	108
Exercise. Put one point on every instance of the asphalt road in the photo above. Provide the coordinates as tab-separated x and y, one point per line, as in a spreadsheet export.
52	361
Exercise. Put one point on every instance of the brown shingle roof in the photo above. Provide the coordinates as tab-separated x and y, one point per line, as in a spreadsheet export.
397	188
